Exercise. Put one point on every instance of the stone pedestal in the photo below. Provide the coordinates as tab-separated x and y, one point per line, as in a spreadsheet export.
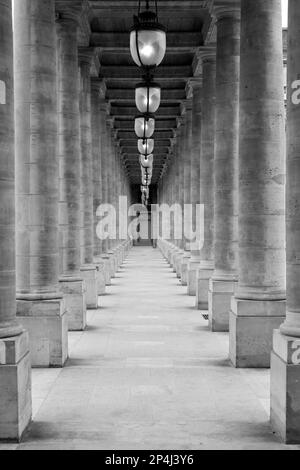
202	287
89	274
101	276
184	267
173	259
15	387
285	387
47	324
107	270
251	325
178	263
192	276
219	303
74	292
112	266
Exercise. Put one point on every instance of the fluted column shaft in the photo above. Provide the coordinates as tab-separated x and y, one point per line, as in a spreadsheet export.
187	152
207	154
227	141
87	250
40	303
224	279
36	150
97	161
8	324
195	159
104	164
195	185
187	157
69	148
259	305
291	326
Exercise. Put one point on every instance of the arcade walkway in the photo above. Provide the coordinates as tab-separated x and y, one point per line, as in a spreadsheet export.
147	374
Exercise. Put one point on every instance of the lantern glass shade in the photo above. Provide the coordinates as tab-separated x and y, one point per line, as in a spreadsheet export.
148	98
144	127
148	46
146	146
146	162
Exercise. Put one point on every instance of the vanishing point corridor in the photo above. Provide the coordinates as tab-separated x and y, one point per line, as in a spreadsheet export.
147	373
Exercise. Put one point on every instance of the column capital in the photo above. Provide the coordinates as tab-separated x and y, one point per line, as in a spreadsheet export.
75	12
87	56
192	85
227	9
208	54
99	87
186	105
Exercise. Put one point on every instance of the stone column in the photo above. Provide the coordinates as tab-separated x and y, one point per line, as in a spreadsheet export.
224	278
206	265
187	193
176	206
259	303
97	98
40	304
71	281
110	174
285	363
180	148
104	184
195	183
15	374
88	269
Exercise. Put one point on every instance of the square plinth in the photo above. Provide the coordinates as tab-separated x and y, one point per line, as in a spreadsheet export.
219	303
74	293
15	387
285	387
47	325
251	326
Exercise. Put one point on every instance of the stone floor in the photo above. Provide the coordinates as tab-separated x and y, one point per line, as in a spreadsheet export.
148	374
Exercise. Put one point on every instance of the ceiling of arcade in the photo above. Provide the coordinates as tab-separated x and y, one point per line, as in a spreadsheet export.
105	26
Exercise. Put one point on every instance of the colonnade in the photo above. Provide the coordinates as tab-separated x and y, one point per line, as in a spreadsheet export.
241	273
53	265
59	162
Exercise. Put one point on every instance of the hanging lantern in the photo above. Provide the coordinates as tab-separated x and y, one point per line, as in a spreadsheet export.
148	39
146	146
147	97
144	126
146	162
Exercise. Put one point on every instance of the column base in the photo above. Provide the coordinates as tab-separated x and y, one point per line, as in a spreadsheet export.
106	270
184	268
220	294
177	263
173	259
192	276
202	287
89	274
285	387
15	387
47	325
101	279
251	326
111	259
74	292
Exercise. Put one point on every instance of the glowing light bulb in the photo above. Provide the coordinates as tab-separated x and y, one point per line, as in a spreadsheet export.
147	50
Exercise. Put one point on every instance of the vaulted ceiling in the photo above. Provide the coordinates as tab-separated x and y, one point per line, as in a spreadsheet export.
190	26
